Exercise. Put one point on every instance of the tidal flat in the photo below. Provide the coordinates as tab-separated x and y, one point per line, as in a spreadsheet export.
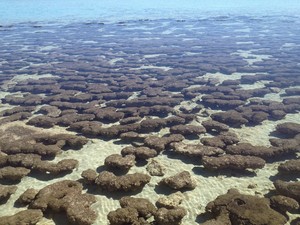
154	121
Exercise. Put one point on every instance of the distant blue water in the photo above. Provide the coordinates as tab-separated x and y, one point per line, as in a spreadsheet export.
12	11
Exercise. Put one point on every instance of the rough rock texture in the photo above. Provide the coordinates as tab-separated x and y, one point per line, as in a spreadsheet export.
179	181
236	162
288	128
66	196
214	126
289	189
221	141
170	216
116	161
283	204
155	168
6	192
89	176
243	209
25	217
187	130
195	150
139	152
231	118
123	216
129	182
143	206
251	150
13	173
63	166
290	167
160	143
27	197
171	201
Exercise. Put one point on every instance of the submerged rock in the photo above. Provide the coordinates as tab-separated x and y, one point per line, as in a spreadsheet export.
66	196
143	206
290	167
243	209
155	168
289	189
171	201
13	173
139	152
187	130
123	216
197	150
235	162
25	217
27	197
179	181
116	161
6	192
288	128
170	216
129	182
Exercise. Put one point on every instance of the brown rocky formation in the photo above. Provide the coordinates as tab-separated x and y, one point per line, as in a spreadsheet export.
129	182
68	119
63	140
6	192
187	130
221	141
289	189
292	91
155	168
235	162
160	143
251	150
170	216
116	161
179	181
22	146
288	128
50	111
143	206
171	201
66	196
18	109
290	167
25	217
236	208
197	150
214	126
283	204
42	121
87	125
123	216
130	120
108	115
114	131
132	136
139	152
34	163
16	117
63	166
231	118
89	176
27	197
13	173
150	125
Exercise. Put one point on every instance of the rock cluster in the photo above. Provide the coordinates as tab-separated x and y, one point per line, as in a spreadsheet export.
110	182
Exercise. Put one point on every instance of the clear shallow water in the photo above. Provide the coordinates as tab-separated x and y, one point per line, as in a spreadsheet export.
112	10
